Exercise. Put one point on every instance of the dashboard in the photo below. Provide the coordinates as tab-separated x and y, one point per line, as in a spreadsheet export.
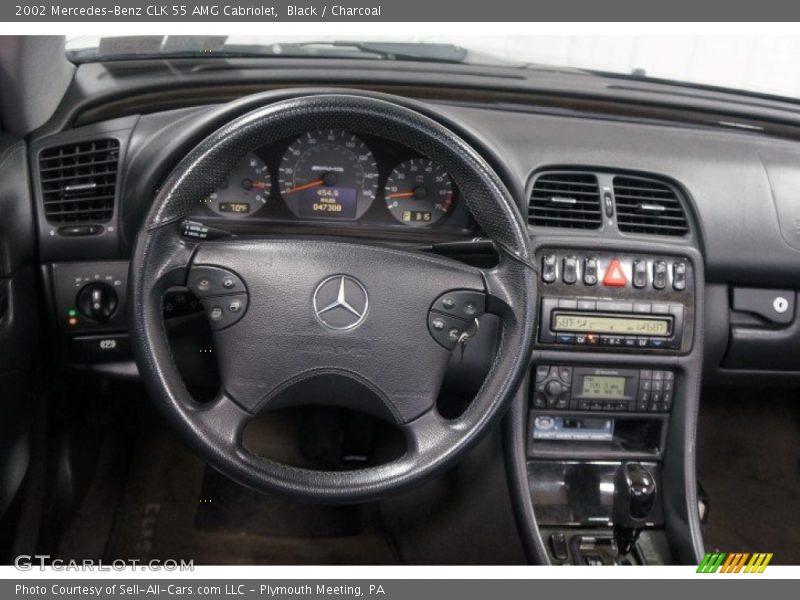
340	179
650	240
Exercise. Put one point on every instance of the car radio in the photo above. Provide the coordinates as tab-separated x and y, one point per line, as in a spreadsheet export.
640	303
561	387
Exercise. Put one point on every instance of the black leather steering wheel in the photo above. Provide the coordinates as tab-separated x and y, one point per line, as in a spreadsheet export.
286	311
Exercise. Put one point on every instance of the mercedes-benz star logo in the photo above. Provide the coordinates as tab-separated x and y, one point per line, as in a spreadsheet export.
341	302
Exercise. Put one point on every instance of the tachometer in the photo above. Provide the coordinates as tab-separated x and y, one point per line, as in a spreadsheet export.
419	192
328	174
244	191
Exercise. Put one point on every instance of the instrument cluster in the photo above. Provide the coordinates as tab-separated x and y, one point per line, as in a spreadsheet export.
337	177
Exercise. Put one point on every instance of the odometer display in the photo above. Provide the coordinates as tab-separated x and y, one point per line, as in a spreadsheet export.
328	174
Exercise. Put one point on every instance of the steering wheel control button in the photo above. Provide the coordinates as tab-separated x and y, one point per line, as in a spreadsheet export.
463	304
224	311
207	281
615	276
453	316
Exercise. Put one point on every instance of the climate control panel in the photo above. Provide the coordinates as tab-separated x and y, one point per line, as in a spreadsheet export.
616	302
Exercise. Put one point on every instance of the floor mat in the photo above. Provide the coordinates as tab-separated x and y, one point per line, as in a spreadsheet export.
172	507
228	507
749	464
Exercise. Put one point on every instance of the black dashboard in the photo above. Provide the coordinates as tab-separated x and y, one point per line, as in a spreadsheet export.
666	248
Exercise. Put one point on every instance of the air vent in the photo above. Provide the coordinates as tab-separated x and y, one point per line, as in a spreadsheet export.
79	181
570	200
648	206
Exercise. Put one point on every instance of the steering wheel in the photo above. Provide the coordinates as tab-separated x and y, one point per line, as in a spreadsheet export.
284	311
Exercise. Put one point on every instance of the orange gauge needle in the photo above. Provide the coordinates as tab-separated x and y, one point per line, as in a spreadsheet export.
259	185
401	195
305	186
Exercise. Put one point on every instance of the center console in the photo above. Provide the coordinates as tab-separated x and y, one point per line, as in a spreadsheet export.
607	396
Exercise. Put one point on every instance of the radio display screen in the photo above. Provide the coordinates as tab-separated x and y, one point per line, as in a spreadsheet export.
613	325
603	386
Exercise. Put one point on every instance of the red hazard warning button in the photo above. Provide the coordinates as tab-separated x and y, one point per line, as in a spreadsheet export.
615	276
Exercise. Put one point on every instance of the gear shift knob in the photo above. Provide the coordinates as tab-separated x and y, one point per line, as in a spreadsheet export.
634	498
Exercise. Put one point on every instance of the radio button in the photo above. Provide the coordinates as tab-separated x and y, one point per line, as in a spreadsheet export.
587	305
660	308
642	307
667	399
609	405
641	406
549	268
539	400
554	388
659	274
565	338
561	404
592	338
669	376
645	385
612	306
585	405
565	373
657	342
646	374
595	405
644	397
655	397
658	386
570	270
641	342
542	372
590	271
639	273
568	303
580	339
658	375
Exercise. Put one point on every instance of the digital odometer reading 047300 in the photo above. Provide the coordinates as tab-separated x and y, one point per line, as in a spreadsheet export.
611	325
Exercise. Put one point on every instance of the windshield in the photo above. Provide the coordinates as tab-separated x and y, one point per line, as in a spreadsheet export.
759	64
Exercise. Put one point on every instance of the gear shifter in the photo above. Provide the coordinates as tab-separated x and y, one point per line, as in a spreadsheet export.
634	497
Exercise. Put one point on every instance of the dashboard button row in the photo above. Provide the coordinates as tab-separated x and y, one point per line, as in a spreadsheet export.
587	270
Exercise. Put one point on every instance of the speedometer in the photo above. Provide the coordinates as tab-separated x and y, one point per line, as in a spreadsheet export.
328	174
244	191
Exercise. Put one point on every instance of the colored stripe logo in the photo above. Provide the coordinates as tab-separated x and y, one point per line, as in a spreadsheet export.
736	562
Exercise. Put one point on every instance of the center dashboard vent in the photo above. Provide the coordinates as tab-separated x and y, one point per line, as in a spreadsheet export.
79	181
564	199
648	206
